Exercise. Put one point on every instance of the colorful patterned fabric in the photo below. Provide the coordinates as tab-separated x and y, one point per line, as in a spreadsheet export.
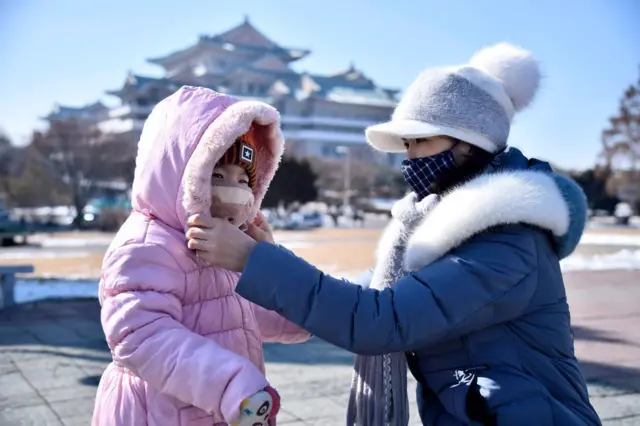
242	153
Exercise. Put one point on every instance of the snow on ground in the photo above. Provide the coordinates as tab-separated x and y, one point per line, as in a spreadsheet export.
610	221
29	289
289	239
293	245
74	242
610	239
37	254
624	259
47	241
32	289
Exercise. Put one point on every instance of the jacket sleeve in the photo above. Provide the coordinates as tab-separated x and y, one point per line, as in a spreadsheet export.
275	328
141	292
485	281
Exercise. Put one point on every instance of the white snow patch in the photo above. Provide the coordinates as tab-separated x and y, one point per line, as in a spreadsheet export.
75	242
284	237
32	289
296	245
29	290
34	254
610	222
610	239
624	259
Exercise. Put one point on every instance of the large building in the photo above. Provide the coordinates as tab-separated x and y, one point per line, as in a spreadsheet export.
320	113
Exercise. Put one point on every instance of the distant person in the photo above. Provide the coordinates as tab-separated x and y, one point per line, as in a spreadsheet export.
187	350
467	291
334	213
358	218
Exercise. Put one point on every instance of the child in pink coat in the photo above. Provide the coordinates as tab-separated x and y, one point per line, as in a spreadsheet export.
187	350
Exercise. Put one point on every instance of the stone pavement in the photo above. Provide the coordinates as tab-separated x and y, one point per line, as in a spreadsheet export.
52	354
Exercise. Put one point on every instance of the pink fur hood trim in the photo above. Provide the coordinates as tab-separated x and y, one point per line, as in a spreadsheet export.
182	140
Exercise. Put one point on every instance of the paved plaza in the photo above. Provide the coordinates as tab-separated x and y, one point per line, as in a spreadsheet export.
52	354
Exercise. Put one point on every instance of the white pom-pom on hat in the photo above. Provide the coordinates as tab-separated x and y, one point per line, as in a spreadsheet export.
514	67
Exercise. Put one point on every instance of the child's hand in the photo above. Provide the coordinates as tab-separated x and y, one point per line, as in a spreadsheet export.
260	408
260	230
218	242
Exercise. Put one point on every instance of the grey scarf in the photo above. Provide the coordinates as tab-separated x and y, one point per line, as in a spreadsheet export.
379	384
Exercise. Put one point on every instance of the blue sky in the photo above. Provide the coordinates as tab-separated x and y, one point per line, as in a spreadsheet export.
71	52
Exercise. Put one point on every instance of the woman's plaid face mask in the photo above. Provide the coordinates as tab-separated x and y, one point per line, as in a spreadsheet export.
421	173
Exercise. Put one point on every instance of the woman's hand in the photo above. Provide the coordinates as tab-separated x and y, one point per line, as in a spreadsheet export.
219	243
260	230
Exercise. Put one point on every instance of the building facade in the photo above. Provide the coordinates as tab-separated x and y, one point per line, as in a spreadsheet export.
320	113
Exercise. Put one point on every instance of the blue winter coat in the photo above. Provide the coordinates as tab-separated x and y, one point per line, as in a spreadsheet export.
483	314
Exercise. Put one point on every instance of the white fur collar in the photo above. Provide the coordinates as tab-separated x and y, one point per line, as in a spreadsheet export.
489	200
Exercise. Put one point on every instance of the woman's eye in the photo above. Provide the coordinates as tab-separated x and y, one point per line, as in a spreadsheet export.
406	145
244	181
217	176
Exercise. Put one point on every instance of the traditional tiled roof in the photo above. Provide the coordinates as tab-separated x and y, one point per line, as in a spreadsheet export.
338	88
59	112
135	82
288	74
260	57
376	96
246	34
286	87
244	37
351	85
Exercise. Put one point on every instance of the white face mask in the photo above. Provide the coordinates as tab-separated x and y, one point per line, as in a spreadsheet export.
231	202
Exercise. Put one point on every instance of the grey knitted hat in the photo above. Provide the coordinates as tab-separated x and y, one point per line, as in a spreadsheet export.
474	102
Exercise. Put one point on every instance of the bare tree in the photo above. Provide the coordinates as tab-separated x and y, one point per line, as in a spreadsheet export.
621	147
6	151
294	181
80	156
32	181
120	153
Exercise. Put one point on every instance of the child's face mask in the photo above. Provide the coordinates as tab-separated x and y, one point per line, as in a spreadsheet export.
231	197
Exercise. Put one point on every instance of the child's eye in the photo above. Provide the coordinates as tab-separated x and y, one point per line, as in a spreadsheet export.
218	176
244	181
406	145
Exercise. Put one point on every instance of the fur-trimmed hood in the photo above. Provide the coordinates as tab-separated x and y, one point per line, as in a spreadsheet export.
183	139
514	190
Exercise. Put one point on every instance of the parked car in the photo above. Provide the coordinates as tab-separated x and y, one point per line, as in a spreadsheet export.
275	221
299	221
623	213
106	214
9	228
378	205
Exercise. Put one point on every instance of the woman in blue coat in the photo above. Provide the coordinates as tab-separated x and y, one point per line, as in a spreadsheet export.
467	290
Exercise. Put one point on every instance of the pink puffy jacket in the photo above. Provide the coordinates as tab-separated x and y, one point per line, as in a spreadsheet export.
186	348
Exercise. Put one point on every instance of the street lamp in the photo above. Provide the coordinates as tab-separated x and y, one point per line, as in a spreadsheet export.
343	149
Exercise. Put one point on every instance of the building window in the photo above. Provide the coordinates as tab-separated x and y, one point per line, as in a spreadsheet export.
329	151
154	95
254	88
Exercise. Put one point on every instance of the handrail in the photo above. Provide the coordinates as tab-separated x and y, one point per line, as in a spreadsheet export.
8	282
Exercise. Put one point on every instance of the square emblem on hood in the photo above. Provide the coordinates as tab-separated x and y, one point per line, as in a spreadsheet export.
247	154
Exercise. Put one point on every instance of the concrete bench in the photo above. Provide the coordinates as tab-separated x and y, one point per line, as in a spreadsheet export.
8	282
